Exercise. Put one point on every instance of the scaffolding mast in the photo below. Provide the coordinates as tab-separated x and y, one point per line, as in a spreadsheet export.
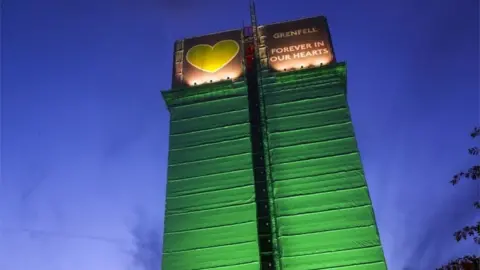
273	259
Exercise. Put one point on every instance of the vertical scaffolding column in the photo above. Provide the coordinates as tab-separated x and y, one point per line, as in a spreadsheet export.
264	225
265	204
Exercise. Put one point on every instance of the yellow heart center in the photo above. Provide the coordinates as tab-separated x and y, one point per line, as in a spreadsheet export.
212	58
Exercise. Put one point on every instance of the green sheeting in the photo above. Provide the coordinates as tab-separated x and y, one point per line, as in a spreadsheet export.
323	211
209	136
210	166
210	217
305	106
321	133
312	167
215	106
310	120
210	150
207	122
319	184
206	183
208	258
197	220
355	259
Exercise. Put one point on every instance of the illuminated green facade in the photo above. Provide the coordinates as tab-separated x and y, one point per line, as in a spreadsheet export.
210	207
321	210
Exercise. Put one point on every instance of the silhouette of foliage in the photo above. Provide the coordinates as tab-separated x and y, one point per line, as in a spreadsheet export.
470	262
468	231
466	263
474	151
475	132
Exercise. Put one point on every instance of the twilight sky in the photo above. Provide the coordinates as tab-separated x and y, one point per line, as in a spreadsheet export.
84	131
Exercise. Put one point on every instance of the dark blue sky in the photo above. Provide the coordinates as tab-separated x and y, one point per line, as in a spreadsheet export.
85	131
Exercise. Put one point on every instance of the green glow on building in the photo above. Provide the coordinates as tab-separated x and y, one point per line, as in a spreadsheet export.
210	216
322	216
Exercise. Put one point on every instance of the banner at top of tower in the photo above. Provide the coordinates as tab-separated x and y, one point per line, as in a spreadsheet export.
296	44
207	59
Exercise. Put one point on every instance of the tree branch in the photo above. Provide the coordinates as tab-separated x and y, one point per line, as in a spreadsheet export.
469	231
472	173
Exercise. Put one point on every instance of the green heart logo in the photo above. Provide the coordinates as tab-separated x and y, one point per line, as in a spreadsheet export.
213	58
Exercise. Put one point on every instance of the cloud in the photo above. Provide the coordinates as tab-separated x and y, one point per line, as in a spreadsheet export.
147	240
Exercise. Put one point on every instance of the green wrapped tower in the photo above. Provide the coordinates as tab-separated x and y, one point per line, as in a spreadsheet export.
264	170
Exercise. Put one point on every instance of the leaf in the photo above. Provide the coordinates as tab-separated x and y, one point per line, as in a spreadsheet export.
475	132
474	151
456	178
